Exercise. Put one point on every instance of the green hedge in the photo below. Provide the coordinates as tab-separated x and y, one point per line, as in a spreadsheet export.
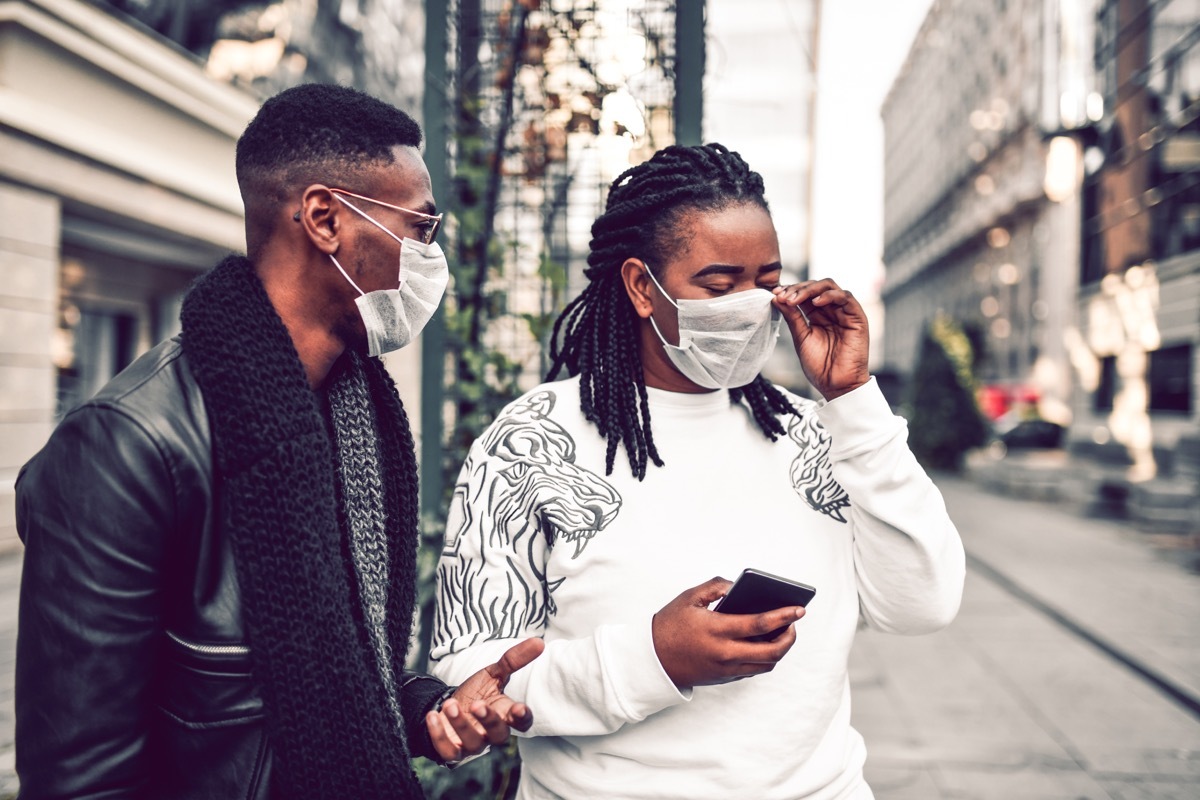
943	416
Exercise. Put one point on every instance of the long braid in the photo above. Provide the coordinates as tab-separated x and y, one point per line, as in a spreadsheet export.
767	403
596	336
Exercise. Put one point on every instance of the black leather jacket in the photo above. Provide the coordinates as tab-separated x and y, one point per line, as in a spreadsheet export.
133	674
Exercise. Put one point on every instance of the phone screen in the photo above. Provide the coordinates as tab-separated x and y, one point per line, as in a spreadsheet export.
756	591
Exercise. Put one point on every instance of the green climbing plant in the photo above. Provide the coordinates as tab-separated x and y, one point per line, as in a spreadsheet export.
481	378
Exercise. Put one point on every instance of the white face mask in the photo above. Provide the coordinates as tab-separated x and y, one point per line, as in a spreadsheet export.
394	317
724	342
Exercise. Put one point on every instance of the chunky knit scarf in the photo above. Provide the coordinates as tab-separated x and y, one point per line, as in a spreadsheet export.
322	514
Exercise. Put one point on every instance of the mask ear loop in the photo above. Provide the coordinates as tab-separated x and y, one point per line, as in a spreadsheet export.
296	218
663	292
369	218
377	224
345	275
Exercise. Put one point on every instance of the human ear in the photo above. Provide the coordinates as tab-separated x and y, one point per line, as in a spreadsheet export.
637	286
320	216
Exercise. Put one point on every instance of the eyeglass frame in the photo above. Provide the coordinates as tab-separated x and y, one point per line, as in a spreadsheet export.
437	218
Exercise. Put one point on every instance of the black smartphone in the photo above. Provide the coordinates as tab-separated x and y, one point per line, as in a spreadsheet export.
756	591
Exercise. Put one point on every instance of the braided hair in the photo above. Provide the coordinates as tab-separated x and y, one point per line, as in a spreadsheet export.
596	336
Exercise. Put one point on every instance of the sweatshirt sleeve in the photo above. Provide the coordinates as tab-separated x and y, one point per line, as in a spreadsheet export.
492	592
908	556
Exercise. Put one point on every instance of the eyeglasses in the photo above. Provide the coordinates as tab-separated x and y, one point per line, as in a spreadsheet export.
428	228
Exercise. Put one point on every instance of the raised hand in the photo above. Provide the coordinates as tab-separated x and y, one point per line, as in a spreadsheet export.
829	329
698	647
479	714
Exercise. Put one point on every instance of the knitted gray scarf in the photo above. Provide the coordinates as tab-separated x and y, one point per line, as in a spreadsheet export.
359	459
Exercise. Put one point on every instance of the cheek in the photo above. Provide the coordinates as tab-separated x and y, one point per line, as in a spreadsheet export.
380	269
667	318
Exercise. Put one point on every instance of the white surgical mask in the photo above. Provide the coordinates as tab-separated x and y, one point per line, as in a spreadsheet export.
724	342
394	317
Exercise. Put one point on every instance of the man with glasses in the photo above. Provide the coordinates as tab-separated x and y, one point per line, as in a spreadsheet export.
220	563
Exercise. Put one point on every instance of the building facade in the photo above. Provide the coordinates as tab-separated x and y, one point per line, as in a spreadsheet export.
1138	303
118	125
970	229
1043	189
117	189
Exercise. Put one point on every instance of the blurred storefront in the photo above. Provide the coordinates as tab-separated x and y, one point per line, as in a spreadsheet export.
1139	274
116	190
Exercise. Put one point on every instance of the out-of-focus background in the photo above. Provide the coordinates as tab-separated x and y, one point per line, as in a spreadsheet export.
1012	187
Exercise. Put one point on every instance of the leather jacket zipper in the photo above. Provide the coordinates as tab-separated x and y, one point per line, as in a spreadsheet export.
211	649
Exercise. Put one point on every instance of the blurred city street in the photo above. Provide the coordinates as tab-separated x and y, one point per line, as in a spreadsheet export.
1020	697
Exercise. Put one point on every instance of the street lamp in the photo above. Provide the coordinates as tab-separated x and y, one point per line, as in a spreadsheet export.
1070	151
1062	169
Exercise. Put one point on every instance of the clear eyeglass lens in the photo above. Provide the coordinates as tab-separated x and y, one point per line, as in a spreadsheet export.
430	230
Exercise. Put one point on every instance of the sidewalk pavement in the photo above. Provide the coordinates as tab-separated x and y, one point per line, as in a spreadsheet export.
1044	687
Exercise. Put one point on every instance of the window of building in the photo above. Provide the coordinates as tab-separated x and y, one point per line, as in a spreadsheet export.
1169	379
1091	262
1106	390
102	343
1178	221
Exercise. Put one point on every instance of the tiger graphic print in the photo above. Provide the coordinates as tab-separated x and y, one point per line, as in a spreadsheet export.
811	472
524	485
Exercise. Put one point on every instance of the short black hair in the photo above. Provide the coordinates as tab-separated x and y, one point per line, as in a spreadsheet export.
318	123
313	133
596	336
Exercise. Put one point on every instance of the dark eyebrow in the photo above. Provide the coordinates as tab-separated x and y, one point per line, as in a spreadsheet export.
732	269
427	208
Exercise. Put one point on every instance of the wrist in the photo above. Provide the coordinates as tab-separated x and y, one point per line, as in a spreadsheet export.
436	708
831	394
446	694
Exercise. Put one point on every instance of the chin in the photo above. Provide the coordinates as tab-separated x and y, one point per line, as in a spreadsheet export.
352	334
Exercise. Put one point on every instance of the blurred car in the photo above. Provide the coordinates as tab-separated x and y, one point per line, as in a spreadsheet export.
1033	434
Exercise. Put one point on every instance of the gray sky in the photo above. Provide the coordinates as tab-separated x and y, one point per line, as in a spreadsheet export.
863	44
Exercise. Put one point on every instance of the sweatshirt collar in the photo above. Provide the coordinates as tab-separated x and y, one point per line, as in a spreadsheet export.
693	402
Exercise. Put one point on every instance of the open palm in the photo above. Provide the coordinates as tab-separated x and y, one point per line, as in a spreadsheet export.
479	713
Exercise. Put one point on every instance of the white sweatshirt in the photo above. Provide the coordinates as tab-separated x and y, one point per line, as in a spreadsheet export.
540	542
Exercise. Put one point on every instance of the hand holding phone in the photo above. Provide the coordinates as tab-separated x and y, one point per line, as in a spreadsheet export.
756	591
697	647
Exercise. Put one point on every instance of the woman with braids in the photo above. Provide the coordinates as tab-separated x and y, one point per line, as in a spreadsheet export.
591	511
